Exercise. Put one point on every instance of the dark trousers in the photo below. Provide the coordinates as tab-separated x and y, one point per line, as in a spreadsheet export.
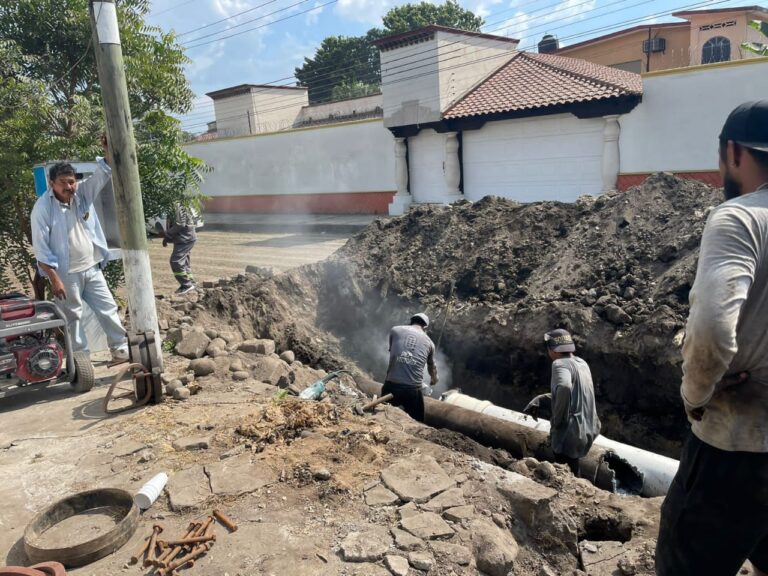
715	515
407	397
573	463
181	262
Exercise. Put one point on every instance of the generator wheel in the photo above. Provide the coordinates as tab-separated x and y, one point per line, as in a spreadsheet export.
84	378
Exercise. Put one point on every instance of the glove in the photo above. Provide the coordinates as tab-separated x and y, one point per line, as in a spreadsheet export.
165	242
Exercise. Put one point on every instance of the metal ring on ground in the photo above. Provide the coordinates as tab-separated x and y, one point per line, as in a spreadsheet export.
92	550
44	569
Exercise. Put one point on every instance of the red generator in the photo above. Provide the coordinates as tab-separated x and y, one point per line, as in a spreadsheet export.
31	353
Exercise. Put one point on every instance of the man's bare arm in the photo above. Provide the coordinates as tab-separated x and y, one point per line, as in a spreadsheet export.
56	284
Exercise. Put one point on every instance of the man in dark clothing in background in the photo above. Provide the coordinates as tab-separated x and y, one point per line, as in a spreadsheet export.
182	234
574	423
410	350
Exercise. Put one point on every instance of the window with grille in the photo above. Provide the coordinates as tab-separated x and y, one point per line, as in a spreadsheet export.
717	49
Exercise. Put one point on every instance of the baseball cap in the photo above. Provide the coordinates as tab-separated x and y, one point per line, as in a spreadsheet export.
422	318
559	341
748	125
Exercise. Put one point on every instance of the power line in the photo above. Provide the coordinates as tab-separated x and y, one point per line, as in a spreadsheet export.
224	19
173	7
316	7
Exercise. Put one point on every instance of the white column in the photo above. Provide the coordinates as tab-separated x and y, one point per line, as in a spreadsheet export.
611	132
403	198
451	166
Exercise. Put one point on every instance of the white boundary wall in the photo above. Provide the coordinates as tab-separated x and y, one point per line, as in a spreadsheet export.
675	127
343	158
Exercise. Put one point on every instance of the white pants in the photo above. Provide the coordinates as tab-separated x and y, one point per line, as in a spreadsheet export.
91	287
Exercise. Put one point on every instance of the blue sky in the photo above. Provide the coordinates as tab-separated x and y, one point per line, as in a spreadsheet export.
289	30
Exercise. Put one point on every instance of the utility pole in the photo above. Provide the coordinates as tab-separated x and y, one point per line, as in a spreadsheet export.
125	169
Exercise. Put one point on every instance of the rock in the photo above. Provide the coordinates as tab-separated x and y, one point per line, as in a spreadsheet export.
239	475
236	365
453	553
236	451
181	393
530	501
127	448
417	478
546	570
617	315
495	550
240	375
380	496
172	385
269	370
545	471
218	342
212	349
263	271
459	513
193	345
321	474
146	456
288	357
408	510
218	353
189	488
406	541
222	363
192	443
448	499
258	346
187	378
369	545
397	565
500	520
175	335
202	366
230	337
427	526
368	570
421	561
211	333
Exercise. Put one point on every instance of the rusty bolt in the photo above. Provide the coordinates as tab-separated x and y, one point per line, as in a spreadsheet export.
171	553
151	553
140	551
225	521
187	541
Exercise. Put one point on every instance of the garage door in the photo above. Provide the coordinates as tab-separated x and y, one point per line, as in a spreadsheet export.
546	158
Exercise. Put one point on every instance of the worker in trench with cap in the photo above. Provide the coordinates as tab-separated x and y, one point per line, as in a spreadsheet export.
410	351
715	515
574	424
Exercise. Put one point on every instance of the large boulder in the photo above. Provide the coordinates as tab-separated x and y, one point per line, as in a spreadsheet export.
202	366
261	346
269	370
495	549
193	345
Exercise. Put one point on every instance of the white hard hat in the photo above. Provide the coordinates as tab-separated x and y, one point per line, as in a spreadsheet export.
423	318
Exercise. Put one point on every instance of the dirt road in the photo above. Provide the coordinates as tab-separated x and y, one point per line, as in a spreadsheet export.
220	254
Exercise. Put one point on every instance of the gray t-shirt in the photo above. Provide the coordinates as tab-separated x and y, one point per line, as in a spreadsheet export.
410	350
727	329
574	424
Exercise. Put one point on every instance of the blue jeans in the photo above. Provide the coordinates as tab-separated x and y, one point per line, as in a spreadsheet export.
91	287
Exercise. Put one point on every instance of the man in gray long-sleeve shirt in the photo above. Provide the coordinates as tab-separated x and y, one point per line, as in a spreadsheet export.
574	423
715	515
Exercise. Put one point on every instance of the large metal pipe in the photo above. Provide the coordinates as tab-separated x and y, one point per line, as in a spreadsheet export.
658	471
601	467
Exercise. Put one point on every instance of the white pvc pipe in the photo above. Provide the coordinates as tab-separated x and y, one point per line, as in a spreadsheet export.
658	471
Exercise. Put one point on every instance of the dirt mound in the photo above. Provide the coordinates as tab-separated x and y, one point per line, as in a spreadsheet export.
494	276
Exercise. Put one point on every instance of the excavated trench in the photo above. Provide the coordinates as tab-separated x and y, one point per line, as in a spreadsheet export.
494	276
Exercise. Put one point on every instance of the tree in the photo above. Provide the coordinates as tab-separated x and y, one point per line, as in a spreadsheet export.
342	62
412	16
759	48
48	59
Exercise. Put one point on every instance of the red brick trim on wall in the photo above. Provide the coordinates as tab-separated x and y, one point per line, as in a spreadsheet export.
711	177
334	203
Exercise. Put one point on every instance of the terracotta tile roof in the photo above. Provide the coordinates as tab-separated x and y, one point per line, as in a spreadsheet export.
530	81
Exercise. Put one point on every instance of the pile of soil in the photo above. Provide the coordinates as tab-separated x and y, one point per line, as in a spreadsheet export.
286	419
494	276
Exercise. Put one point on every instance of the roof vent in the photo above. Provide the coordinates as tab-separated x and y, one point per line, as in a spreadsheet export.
654	45
548	44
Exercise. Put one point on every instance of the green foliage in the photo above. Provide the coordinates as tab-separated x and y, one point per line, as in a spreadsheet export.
50	108
759	48
353	89
168	346
411	16
347	67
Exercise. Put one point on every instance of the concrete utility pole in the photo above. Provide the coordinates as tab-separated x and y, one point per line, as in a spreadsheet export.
125	169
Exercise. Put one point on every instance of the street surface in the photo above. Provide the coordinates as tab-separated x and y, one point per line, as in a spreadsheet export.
220	254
